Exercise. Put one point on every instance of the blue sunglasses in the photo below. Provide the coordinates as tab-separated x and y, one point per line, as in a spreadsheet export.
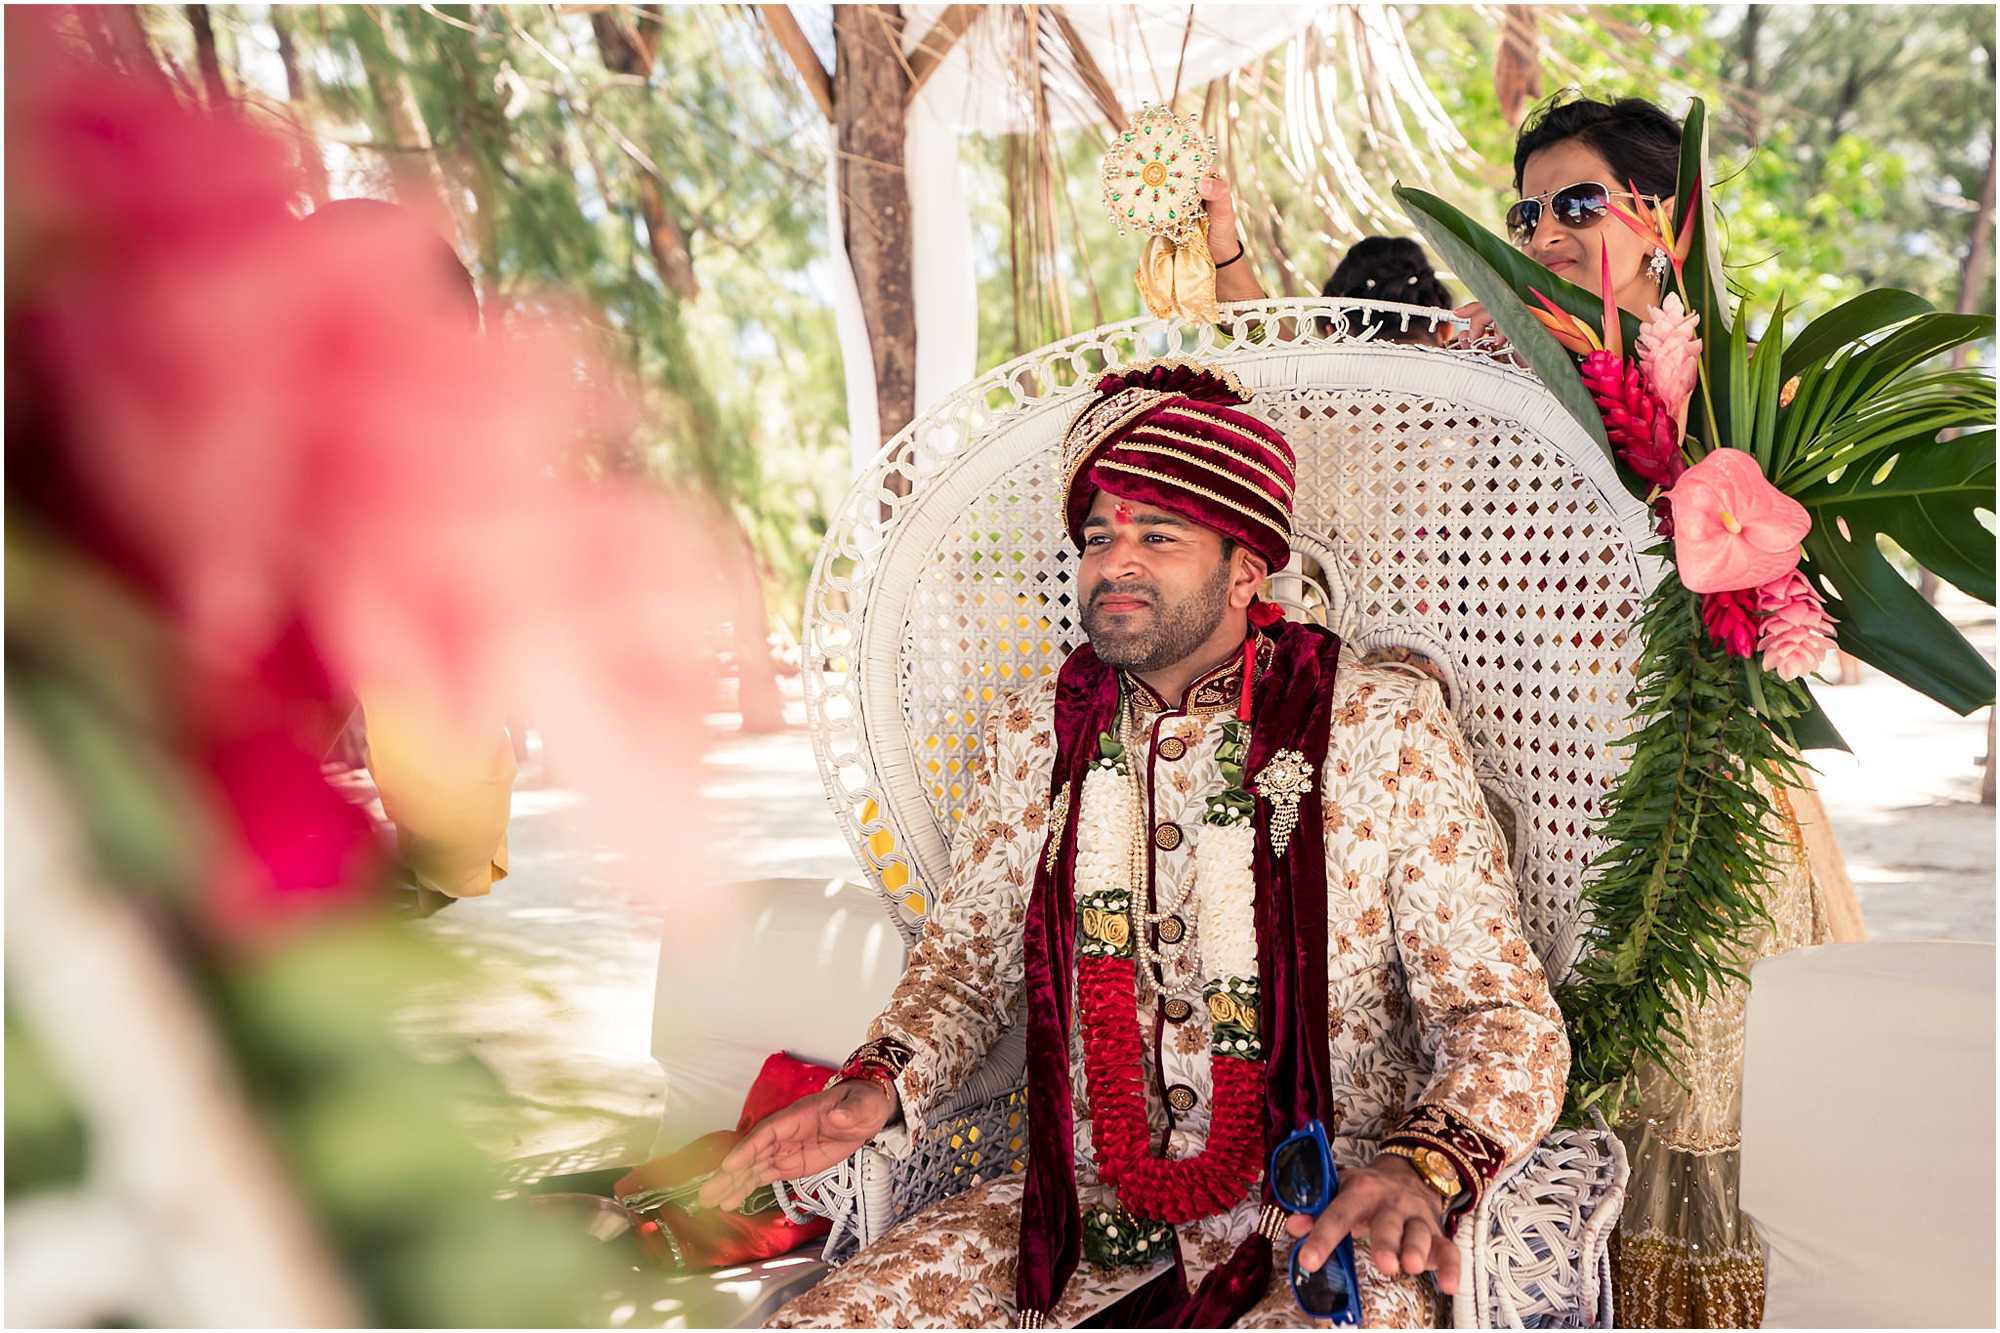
1304	1181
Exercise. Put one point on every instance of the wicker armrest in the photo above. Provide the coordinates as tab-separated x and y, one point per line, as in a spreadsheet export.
979	1133
1536	1252
872	1191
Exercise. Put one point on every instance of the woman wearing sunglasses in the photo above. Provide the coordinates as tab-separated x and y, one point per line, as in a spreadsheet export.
1574	161
1684	1255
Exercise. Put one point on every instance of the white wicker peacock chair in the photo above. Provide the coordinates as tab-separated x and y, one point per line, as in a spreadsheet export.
1447	507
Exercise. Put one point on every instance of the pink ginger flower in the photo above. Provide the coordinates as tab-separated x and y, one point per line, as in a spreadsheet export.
1635	420
1731	620
1796	631
1732	528
1670	355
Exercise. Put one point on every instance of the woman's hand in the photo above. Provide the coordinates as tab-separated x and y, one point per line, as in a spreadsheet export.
1225	243
1482	323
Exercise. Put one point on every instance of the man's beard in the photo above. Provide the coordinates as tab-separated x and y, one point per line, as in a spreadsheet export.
1170	634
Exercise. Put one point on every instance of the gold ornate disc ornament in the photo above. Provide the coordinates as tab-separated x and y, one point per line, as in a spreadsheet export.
1152	183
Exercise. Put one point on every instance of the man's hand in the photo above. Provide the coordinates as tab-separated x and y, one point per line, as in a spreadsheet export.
1387	1204
810	1135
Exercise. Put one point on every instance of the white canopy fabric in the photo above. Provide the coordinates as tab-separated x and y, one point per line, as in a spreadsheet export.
1140	49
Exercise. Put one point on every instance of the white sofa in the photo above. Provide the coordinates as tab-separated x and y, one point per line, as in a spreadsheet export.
1868	1132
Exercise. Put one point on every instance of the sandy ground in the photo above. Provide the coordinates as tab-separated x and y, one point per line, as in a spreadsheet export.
568	954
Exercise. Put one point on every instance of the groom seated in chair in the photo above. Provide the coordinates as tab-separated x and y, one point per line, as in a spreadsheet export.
1238	883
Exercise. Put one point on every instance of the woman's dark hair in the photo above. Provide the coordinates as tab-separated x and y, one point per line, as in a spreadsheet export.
1389	268
1640	141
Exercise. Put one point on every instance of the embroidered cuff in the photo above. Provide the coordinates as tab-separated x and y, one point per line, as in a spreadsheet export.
879	1061
1477	1158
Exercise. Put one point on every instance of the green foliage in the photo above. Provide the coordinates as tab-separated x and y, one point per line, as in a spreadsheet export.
45	1146
1674	894
1879	440
368	1131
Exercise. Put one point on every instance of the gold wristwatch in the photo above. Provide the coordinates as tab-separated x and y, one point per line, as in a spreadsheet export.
1434	1167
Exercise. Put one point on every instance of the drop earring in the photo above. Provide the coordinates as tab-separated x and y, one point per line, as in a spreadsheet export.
1657	264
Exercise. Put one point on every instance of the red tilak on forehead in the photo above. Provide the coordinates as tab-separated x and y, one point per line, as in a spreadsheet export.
1122	512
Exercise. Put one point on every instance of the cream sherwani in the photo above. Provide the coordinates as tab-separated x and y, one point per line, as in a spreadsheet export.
1437	1010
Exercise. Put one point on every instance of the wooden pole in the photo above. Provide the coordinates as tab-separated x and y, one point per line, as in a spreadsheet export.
870	87
792	41
1517	68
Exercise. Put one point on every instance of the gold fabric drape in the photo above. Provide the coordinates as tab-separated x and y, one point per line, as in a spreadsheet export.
1179	279
1684	1255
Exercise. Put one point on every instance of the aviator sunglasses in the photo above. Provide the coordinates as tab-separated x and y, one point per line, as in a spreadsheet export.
1578	207
1304	1181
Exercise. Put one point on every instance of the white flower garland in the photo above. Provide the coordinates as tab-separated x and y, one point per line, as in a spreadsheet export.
1222	860
1107	819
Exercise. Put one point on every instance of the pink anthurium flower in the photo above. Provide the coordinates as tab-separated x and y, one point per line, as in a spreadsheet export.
1732	528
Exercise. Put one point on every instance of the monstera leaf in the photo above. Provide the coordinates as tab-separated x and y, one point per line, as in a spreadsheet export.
1879	441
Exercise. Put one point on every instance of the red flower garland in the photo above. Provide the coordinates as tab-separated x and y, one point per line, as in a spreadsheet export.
1212	1181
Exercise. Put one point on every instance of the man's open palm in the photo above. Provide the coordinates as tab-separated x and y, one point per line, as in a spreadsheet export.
810	1135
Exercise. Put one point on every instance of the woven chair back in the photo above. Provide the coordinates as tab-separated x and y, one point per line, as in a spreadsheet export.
1449	512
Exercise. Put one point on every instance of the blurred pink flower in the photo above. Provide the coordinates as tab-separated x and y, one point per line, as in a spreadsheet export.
304	849
1732	528
1796	632
289	432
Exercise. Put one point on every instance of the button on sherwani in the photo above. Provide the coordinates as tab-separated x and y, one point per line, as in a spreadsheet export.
1439	1018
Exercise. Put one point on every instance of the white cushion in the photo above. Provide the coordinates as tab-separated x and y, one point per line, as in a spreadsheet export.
811	963
1868	1134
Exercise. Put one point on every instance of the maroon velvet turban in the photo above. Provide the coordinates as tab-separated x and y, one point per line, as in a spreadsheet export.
1169	433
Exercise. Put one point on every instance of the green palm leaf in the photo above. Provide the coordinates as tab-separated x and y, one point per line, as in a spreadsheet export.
1849	322
1927	500
1496	274
1860	448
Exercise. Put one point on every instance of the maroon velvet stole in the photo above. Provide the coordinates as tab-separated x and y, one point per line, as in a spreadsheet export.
1291	703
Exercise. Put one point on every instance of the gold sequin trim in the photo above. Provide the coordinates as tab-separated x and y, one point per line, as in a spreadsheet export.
1663	1281
1032	1319
1271	1223
1283	528
1096	423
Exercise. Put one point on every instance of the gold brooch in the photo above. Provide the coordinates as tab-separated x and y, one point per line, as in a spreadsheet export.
1058	817
1284	780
